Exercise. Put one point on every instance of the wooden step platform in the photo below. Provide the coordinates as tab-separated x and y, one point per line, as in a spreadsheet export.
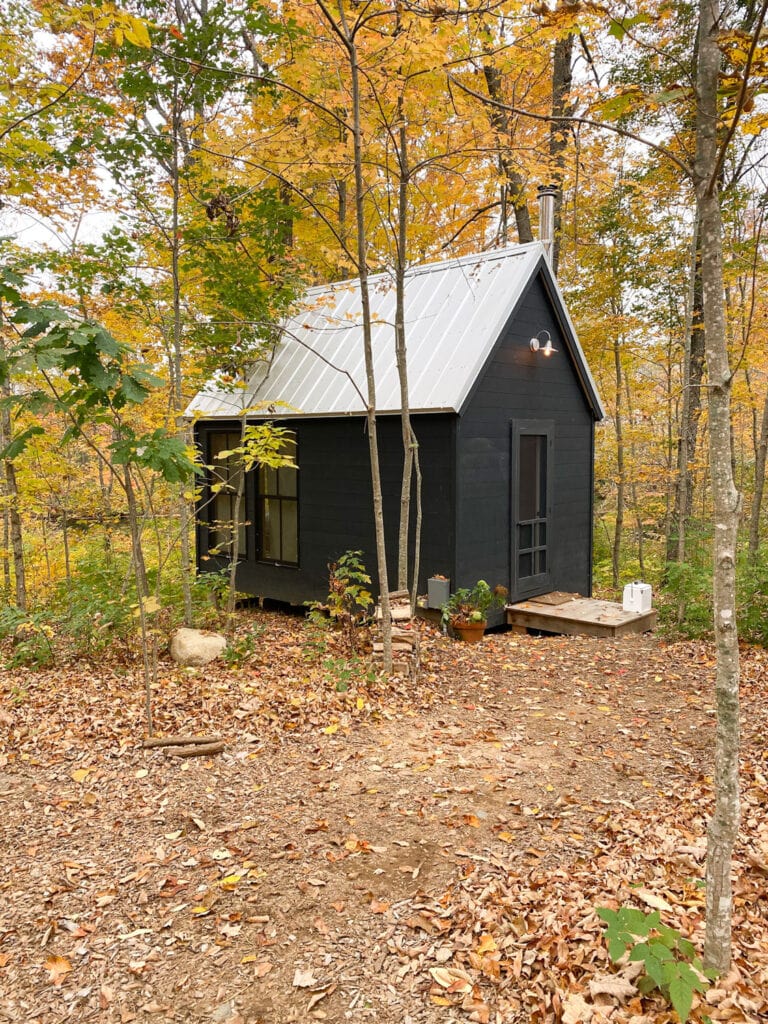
577	616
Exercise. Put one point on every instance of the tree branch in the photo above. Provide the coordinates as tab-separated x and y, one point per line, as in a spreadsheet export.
576	119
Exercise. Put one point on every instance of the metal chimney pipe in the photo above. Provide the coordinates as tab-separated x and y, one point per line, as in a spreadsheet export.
546	194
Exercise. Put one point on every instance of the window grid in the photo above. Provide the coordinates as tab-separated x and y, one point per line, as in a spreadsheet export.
278	514
227	475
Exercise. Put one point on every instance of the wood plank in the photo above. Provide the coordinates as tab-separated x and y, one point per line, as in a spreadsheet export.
555	597
580	617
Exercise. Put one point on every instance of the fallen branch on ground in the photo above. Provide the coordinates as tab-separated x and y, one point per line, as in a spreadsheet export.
179	741
198	750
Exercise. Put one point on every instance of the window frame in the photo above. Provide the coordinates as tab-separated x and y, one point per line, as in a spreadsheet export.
231	437
261	496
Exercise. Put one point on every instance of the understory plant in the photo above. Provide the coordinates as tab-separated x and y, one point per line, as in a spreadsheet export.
472	604
689	585
31	634
670	960
350	601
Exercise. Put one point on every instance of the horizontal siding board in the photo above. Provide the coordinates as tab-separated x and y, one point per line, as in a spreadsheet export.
466	464
336	506
521	385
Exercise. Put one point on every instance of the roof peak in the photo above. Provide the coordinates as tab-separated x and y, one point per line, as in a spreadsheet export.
418	269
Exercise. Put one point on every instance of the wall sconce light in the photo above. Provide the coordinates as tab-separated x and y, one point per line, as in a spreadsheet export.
543	343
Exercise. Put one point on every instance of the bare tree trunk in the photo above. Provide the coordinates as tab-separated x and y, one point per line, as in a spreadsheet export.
137	550
235	549
419	516
633	489
500	119
182	429
105	510
724	823
6	543
401	354
639	525
757	497
620	468
142	592
690	415
13	514
362	259
65	543
562	80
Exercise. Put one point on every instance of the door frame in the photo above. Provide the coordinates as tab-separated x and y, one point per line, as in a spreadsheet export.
541	583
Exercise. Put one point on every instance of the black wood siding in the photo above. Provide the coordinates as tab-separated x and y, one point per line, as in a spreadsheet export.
520	384
336	505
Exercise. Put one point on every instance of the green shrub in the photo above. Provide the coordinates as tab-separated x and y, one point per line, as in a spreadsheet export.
241	649
691	583
670	961
32	638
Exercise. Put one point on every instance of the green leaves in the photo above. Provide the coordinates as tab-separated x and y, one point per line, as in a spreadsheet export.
157	451
99	368
265	444
619	27
91	377
19	443
670	960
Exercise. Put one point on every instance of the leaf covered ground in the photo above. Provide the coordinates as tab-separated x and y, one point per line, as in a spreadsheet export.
390	853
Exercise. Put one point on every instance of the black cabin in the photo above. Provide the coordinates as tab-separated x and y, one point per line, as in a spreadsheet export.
503	406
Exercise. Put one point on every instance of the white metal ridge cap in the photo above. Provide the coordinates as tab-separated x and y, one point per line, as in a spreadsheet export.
434	266
487	256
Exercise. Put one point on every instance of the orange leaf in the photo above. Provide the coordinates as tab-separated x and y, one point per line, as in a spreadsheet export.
487	944
58	968
379	907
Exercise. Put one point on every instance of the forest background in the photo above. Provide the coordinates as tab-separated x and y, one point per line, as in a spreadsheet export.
177	173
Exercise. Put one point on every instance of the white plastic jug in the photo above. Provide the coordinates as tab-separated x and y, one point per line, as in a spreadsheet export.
637	597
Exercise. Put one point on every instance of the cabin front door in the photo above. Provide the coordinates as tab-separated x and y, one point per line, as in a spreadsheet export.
531	504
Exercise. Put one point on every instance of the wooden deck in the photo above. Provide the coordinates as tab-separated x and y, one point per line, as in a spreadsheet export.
577	616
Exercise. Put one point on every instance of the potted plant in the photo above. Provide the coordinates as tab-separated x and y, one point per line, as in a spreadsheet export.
466	610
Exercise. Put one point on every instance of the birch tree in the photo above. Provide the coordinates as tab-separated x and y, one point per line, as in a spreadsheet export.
715	118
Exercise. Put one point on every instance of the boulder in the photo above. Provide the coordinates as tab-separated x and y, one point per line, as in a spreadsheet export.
195	647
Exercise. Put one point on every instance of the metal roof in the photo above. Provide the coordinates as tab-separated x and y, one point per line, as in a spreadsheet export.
455	312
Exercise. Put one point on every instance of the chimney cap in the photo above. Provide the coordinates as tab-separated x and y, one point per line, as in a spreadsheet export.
548	190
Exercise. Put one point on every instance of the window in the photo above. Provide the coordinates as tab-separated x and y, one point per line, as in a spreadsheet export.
226	477
278	511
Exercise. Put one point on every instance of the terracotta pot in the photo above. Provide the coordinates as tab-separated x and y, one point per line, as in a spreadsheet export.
470	632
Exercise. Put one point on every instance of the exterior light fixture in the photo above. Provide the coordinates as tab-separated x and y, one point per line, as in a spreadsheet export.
543	343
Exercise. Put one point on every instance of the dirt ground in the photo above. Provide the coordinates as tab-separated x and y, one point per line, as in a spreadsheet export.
393	853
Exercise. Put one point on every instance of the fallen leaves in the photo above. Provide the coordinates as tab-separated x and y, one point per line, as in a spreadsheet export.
651	899
303	978
516	804
613	985
58	968
452	979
